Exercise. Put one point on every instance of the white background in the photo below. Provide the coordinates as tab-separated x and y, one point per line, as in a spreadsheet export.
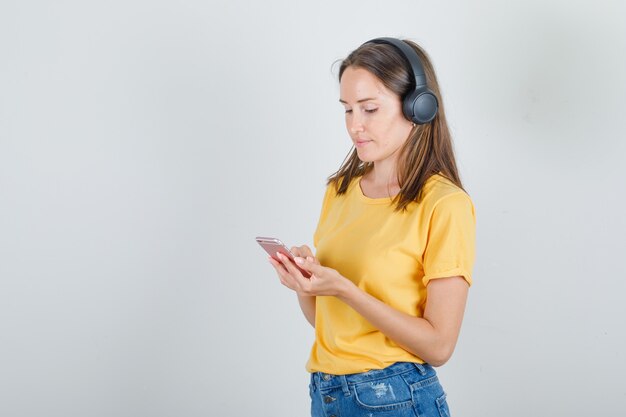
143	145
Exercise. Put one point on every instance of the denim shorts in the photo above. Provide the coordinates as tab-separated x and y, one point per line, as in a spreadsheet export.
402	389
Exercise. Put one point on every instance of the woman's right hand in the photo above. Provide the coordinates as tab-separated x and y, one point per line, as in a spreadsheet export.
287	278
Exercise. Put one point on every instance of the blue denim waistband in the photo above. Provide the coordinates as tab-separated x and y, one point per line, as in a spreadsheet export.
331	380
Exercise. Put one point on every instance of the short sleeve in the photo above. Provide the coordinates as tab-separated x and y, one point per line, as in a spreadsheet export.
450	248
330	191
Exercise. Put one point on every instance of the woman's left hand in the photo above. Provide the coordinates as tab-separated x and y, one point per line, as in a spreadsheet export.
323	281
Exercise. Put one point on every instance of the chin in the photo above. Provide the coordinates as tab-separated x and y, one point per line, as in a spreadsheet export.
364	157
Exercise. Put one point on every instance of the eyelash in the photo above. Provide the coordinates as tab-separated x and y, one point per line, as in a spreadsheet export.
366	111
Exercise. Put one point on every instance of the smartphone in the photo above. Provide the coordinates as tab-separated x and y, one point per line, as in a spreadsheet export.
273	245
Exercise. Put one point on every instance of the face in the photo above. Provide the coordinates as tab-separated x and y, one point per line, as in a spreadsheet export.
374	116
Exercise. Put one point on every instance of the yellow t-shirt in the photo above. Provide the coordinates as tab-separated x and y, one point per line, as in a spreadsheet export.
390	255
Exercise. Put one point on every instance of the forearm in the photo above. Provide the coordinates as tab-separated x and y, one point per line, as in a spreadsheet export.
431	337
307	305
415	334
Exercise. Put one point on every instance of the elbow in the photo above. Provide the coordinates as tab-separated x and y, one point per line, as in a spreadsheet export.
441	355
438	362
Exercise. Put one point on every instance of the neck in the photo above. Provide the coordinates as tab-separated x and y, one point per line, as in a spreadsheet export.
383	174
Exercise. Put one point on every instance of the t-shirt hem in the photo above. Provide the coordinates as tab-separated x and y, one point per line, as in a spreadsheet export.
348	371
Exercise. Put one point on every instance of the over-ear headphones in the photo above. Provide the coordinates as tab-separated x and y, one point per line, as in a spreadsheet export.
420	105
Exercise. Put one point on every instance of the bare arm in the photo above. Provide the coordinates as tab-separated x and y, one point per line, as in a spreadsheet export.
307	305
307	302
432	337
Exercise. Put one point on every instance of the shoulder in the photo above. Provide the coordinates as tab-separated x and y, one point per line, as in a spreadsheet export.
330	195
439	193
332	188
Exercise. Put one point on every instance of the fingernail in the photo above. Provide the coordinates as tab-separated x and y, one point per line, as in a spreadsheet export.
308	258
299	260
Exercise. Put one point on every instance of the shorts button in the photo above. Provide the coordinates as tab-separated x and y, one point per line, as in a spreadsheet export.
329	399
326	377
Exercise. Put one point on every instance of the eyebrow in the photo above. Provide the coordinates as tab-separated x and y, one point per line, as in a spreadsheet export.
359	101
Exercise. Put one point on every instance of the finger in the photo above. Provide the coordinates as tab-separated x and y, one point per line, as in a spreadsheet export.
298	275
288	264
283	275
278	266
310	264
305	272
304	282
296	251
312	259
306	251
292	267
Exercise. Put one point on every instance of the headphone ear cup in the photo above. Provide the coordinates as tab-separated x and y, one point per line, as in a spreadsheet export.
420	106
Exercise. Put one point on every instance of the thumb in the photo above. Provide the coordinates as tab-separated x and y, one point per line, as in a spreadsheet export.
312	259
310	264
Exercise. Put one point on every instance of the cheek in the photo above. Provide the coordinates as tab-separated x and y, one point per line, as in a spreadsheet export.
402	127
395	133
393	140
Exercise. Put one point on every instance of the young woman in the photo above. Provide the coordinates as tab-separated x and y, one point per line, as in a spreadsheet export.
395	245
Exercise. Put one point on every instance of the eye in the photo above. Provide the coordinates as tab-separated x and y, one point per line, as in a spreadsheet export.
370	110
348	111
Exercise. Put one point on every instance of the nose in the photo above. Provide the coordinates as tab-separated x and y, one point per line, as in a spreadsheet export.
356	129
355	124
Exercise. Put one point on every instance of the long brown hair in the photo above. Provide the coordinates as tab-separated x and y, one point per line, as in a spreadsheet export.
427	151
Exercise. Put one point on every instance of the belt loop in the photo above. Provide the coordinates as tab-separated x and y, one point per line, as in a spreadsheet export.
420	368
344	385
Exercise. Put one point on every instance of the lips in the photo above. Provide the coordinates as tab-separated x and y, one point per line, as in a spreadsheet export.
360	143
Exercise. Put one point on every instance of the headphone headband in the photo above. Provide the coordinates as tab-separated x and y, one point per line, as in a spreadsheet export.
410	56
